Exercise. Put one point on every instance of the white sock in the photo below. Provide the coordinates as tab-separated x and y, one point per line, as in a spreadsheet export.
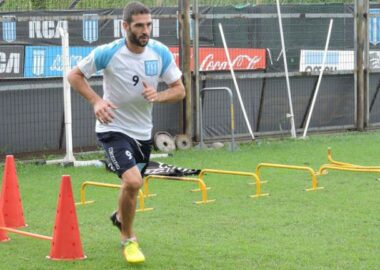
133	238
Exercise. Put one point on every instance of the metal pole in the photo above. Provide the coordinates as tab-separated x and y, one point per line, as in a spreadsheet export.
187	69
235	82
291	115
319	78
180	58
201	142
196	66
359	68
366	62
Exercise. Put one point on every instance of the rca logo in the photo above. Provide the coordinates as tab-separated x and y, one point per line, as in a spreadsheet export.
46	29
9	63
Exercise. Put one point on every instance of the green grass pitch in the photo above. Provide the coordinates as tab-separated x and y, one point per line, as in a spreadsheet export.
333	228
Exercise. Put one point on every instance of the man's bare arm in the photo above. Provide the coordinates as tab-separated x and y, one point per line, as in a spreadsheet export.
174	93
102	108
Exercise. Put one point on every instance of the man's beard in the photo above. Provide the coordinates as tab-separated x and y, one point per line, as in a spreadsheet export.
136	41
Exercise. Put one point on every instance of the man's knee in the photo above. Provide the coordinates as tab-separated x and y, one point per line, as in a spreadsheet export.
132	183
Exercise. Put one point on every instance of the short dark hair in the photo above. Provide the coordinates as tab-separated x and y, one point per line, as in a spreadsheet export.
134	8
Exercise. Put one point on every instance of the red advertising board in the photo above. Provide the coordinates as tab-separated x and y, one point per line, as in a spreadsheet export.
214	59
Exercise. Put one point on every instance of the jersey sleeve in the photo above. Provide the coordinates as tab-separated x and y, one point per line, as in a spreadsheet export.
99	58
87	65
170	72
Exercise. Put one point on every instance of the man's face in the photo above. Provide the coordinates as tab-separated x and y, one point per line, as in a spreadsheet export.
138	31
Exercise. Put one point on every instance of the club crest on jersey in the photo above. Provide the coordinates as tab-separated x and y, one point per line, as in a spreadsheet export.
151	67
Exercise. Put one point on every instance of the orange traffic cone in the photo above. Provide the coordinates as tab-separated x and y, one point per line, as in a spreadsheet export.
10	200
66	244
3	234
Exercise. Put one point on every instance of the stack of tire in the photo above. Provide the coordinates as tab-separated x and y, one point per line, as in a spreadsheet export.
165	142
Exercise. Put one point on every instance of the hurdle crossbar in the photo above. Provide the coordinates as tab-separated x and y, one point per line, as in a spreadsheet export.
201	184
314	180
98	184
253	176
34	235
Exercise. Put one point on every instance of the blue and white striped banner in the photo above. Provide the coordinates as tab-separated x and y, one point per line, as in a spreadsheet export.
9	28
374	27
90	27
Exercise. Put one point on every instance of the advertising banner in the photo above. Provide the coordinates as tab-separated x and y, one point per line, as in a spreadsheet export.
87	28
374	59
46	61
214	59
11	61
311	60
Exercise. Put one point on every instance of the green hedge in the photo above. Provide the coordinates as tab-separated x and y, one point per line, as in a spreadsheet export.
20	5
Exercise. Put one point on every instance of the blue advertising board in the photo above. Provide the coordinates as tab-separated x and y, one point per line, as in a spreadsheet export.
46	61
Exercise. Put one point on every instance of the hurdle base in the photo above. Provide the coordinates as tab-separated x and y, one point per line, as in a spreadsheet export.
254	183
84	203
314	189
150	195
204	202
198	189
144	210
259	195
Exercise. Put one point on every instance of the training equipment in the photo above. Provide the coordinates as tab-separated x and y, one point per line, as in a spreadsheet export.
234	80
132	252
255	179
10	200
97	184
313	174
201	184
159	168
291	114
164	142
319	79
343	166
182	141
65	243
3	234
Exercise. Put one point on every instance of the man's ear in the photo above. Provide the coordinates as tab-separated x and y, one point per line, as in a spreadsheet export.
125	25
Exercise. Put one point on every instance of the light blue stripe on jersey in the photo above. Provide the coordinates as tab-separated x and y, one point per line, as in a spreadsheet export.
163	52
103	54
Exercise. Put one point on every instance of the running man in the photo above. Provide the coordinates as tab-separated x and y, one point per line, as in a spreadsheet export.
132	67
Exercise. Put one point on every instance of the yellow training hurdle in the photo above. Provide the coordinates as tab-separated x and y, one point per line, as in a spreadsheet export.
314	181
98	184
200	182
255	179
337	164
322	170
